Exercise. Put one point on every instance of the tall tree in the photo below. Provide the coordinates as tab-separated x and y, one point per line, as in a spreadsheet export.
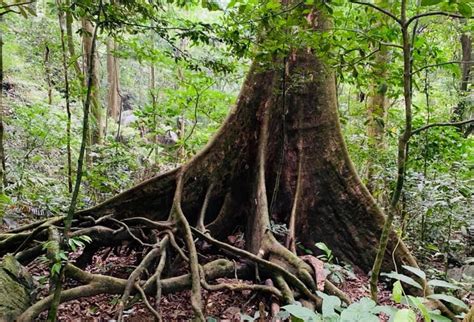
113	81
464	108
67	93
97	119
2	110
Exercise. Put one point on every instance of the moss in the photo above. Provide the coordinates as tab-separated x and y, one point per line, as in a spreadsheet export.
16	289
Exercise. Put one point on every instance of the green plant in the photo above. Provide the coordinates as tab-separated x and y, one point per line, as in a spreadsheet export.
417	303
327	256
367	310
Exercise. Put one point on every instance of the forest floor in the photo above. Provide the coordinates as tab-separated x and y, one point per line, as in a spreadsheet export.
225	305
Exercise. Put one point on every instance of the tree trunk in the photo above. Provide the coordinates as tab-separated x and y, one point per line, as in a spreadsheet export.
333	207
377	114
464	109
97	125
3	180
113	99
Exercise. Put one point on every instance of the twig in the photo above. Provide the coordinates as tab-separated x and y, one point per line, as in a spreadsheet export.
426	127
147	304
434	13
134	276
130	232
441	64
386	12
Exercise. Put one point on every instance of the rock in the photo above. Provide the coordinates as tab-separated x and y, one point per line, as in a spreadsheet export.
16	291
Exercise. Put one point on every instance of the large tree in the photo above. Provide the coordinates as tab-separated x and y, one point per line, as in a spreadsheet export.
279	158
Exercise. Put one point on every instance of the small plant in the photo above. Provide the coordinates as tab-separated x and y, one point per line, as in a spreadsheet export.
368	311
57	256
418	303
327	256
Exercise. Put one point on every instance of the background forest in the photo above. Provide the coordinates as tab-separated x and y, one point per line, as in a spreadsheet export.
165	75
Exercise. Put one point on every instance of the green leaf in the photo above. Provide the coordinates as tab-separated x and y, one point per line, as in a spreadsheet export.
440	283
85	238
420	306
56	268
436	317
397	291
430	2
404	315
465	9
330	304
403	278
415	270
360	311
388	310
301	312
449	299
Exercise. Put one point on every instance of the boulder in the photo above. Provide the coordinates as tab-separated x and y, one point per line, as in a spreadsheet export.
16	289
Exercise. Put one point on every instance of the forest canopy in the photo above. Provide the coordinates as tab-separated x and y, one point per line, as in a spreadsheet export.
236	160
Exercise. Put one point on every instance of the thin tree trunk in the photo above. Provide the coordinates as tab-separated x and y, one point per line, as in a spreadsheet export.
3	180
47	72
61	20
92	66
80	163
464	103
113	97
70	42
154	103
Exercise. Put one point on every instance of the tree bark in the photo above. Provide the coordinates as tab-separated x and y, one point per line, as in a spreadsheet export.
3	181
463	110
377	114
113	97
97	125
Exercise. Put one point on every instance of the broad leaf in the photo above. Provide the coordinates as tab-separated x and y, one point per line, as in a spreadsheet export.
415	270
302	313
440	283
360	311
397	292
420	306
436	317
404	315
449	299
403	278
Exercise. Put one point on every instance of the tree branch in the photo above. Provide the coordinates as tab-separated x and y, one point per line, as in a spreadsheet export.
16	4
385	12
426	127
433	13
442	64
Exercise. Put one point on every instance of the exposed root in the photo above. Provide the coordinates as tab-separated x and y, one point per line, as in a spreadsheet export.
134	276
291	239
269	266
159	270
100	284
240	287
147	304
177	212
202	215
129	231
